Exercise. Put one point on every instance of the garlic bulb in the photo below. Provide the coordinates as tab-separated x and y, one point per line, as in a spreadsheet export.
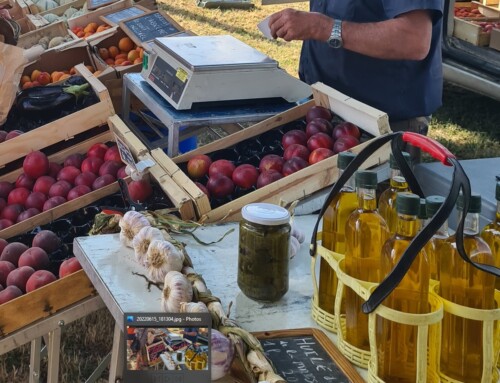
192	307
177	289
163	257
294	247
297	233
131	223
142	240
221	354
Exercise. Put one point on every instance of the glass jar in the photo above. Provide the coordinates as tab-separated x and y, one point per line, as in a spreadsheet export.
263	251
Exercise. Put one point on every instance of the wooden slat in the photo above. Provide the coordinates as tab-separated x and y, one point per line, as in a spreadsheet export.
59	11
179	198
63	128
373	121
470	32
200	199
175	193
59	157
59	211
52	30
44	301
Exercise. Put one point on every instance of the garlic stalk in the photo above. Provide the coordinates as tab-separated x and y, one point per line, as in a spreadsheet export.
177	289
262	367
163	257
131	223
294	247
193	307
141	243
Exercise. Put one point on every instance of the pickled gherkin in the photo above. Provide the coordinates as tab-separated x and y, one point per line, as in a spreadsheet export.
263	252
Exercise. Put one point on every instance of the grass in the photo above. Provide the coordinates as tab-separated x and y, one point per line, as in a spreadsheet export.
467	124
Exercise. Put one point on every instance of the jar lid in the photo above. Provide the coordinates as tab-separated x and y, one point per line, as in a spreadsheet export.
433	203
474	203
344	159
265	214
366	179
407	203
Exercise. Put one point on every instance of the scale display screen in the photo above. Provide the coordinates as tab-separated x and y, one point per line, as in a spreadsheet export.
171	81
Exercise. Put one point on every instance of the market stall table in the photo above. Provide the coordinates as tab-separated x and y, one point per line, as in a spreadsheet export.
110	265
186	122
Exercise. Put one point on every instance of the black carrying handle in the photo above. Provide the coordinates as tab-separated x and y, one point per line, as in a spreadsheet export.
460	183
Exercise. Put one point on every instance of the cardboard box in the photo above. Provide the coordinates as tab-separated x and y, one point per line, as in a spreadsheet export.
64	128
297	185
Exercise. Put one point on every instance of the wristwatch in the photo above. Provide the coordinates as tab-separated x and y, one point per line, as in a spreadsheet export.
335	39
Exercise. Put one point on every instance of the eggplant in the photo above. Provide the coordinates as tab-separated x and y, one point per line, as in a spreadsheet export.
49	100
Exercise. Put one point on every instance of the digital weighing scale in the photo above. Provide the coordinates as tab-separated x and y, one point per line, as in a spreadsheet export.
193	70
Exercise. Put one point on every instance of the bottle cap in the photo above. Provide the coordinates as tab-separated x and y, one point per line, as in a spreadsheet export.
433	203
366	179
422	212
474	203
392	161
407	203
344	159
265	214
497	192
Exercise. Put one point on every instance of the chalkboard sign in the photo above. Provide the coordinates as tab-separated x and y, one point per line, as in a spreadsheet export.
114	18
307	355
94	4
147	27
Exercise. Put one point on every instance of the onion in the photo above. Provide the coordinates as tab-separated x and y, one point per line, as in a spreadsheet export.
222	353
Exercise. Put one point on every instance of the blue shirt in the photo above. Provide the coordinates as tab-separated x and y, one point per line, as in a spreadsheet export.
402	88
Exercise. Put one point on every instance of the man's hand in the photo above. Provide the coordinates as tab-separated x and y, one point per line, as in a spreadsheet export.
290	24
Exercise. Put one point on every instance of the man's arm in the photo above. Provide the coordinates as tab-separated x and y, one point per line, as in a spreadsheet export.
406	37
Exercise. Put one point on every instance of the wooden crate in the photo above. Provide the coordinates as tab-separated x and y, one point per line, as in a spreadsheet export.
18	9
469	31
44	302
94	17
293	187
63	128
177	195
495	39
52	30
488	10
59	11
70	206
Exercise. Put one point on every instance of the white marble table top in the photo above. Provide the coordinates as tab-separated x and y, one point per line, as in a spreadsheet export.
109	265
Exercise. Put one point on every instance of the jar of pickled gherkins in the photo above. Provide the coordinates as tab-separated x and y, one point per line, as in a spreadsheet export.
263	251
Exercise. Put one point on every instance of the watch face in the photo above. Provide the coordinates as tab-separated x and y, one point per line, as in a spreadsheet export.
335	43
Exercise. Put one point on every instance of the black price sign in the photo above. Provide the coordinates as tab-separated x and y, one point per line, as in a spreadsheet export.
94	4
114	18
149	26
307	355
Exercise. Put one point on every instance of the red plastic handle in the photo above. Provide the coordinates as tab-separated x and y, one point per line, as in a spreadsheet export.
427	144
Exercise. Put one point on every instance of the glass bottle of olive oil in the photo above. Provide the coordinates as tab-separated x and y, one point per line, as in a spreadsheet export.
387	200
333	237
397	343
463	284
366	232
491	234
422	213
439	242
